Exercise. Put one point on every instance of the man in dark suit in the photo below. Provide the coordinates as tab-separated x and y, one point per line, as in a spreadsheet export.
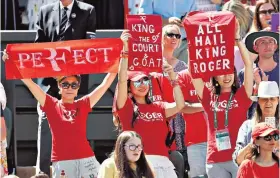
60	21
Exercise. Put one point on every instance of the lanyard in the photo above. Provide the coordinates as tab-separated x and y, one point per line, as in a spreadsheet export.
215	112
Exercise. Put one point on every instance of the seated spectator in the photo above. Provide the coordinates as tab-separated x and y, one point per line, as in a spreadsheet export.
266	107
40	175
127	160
261	162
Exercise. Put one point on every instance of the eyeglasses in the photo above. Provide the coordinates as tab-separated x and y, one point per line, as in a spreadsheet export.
138	83
66	85
269	137
171	35
134	147
269	11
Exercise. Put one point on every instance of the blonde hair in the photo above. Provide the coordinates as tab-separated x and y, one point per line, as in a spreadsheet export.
164	30
242	14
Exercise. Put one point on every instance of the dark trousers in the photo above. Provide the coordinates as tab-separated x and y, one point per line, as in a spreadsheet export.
44	143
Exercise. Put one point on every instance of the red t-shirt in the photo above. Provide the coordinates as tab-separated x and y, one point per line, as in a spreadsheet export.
240	104
68	127
196	128
250	169
151	125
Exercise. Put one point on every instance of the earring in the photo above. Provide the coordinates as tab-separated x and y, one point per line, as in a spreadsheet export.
217	84
258	149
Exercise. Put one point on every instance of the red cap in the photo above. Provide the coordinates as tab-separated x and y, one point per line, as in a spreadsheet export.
136	75
262	129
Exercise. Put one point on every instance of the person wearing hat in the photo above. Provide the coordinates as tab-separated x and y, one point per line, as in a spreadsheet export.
67	118
265	44
136	112
267	111
261	162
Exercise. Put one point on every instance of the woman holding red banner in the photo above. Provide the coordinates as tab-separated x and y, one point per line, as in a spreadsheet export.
67	118
226	105
135	111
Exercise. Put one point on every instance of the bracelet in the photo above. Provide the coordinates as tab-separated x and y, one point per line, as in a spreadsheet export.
238	39
174	83
124	53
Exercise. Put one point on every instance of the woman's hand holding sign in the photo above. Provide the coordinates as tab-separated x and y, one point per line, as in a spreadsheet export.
5	55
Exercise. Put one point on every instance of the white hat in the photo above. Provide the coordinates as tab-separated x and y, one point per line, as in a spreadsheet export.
267	89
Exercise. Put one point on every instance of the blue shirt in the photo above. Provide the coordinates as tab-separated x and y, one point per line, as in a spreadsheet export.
168	8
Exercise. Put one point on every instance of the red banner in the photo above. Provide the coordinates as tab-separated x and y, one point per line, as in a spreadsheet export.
211	43
36	60
145	53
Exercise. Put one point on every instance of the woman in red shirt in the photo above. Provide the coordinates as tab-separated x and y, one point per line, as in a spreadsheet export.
67	118
226	106
136	112
261	162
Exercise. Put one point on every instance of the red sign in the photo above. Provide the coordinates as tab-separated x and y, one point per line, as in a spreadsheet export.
145	53
36	60
211	38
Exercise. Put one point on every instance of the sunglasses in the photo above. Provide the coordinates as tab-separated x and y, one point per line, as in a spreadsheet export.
134	147
66	85
269	137
138	83
270	11
171	35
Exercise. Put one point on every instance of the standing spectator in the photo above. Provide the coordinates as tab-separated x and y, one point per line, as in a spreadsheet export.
245	19
172	12
268	106
3	143
196	128
59	21
264	44
261	162
226	106
68	118
127	160
135	111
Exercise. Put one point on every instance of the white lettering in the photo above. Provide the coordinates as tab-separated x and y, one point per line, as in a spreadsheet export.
22	58
143	28
78	54
36	58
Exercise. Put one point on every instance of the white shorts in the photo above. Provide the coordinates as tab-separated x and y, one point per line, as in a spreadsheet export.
162	166
77	168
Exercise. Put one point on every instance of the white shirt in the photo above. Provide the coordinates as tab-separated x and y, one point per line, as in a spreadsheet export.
70	6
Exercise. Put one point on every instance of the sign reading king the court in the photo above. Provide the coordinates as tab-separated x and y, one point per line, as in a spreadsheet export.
145	51
211	37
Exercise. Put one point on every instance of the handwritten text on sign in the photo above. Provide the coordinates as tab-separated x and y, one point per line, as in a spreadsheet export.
62	58
145	52
211	43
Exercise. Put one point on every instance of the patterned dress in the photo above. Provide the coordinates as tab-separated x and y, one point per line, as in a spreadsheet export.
177	125
3	161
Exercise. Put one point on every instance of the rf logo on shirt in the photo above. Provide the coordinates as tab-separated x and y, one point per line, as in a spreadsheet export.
222	105
151	117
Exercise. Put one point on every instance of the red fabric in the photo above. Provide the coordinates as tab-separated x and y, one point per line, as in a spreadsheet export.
151	125
145	52
250	169
69	139
237	115
211	43
196	128
39	60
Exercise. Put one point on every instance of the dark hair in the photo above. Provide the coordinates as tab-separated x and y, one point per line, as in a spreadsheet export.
122	163
258	114
40	175
234	87
254	153
135	105
257	21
